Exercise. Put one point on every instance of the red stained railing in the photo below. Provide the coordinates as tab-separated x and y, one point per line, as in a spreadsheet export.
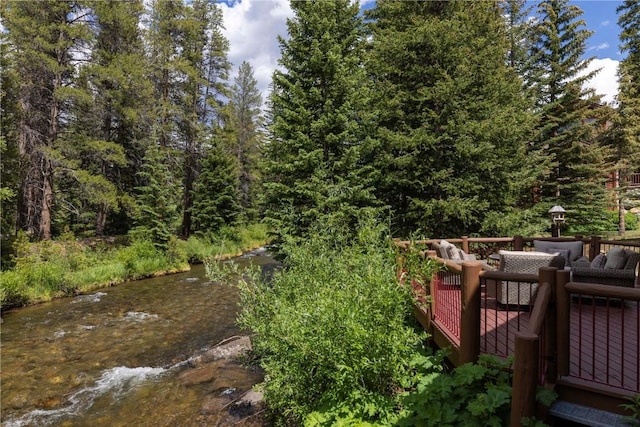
605	341
499	322
447	298
602	334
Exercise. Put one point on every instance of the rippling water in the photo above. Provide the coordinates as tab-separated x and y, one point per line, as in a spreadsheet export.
113	358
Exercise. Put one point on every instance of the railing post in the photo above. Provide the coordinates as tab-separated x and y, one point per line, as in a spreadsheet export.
548	275
518	243
594	247
465	243
563	302
470	312
525	375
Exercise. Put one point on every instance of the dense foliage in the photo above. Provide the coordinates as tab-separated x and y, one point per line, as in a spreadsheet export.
453	122
626	132
333	331
450	117
315	164
568	116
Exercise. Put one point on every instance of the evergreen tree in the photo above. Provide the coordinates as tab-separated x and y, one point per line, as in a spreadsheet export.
202	76
109	120
157	212
314	169
215	195
245	105
45	40
627	125
452	119
163	36
9	166
566	109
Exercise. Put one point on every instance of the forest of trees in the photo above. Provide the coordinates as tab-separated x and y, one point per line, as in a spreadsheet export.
442	118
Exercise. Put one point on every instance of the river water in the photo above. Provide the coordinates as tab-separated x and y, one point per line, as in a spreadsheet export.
114	357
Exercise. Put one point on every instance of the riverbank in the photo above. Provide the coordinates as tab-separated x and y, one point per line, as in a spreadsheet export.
52	269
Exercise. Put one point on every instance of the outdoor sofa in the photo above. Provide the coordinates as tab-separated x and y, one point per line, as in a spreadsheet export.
618	267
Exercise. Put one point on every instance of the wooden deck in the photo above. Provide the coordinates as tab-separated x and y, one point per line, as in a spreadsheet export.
605	335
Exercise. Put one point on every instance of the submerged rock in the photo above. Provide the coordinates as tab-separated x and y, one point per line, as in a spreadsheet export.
232	400
231	349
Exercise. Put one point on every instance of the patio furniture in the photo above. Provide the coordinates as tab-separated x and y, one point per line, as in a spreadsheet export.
449	251
572	251
616	268
511	293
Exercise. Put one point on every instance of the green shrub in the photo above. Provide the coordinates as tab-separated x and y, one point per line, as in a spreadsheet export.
472	395
141	259
332	331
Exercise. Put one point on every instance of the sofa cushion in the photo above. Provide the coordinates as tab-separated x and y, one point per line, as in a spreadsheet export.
599	261
616	258
440	251
632	260
575	248
451	251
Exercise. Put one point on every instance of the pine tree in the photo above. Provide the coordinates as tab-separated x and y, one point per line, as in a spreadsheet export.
163	37
627	125
157	212
204	71
9	166
566	108
315	171
245	105
215	195
109	120
45	39
452	118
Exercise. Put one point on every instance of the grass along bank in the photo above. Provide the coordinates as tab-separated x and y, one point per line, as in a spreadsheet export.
65	267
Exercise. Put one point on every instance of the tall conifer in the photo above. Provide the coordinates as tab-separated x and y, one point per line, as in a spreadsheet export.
110	119
315	171
452	119
566	113
45	38
627	143
246	117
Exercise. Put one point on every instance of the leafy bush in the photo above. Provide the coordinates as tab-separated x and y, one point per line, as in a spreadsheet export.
472	395
331	330
630	221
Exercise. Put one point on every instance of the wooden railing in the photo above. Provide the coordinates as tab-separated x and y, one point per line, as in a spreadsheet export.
463	315
603	358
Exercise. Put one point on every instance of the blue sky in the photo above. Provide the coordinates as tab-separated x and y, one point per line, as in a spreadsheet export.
252	27
601	18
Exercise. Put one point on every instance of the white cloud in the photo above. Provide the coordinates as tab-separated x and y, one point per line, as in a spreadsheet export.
252	27
601	46
605	23
605	82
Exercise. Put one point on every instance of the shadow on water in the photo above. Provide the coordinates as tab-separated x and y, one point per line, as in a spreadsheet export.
118	357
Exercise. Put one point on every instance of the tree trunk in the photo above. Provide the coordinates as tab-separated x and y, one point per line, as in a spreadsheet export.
47	199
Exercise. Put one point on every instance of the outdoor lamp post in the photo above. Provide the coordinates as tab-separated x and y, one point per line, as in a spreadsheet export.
557	218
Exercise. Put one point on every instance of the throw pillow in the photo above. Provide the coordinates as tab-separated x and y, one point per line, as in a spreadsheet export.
616	258
564	253
440	251
451	250
632	261
454	253
599	261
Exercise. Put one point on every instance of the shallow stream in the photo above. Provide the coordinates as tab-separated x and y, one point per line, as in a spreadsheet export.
114	357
